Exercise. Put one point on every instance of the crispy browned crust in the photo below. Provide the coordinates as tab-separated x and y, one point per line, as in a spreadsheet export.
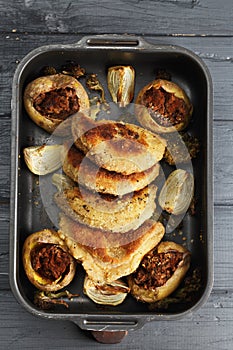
107	212
117	146
81	170
108	256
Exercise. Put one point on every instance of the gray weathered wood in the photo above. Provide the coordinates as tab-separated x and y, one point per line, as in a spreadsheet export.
223	162
5	157
4	245
210	327
194	24
217	54
132	16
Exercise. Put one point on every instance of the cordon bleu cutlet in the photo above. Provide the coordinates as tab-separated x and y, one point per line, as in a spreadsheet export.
107	212
117	146
108	256
83	171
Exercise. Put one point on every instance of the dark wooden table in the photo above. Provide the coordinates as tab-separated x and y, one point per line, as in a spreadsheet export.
204	26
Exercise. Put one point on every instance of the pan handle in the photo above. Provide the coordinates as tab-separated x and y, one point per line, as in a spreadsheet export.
112	41
109	330
109	323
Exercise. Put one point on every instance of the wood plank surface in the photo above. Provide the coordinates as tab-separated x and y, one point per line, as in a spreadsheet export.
199	17
216	53
211	328
203	26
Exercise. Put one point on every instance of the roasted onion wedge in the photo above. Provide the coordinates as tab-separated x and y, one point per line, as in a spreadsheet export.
121	84
47	262
177	192
160	273
42	160
113	293
163	107
50	100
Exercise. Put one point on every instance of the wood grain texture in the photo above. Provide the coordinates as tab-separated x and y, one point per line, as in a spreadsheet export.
4	243
210	328
223	163
203	26
216	53
5	137
209	17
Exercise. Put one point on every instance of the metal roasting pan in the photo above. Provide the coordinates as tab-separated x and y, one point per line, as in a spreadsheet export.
96	54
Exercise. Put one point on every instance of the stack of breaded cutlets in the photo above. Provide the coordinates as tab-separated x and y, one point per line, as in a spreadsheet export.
107	207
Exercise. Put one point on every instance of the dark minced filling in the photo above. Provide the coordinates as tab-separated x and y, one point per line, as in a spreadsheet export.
156	268
59	103
165	108
50	261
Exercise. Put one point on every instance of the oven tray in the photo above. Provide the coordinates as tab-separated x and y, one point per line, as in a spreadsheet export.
28	215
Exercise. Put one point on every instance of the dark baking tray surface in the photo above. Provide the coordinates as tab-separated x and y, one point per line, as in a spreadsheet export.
28	215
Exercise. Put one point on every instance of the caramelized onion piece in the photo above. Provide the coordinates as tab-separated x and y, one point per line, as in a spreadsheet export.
113	293
177	192
121	84
47	262
163	107
44	159
160	272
